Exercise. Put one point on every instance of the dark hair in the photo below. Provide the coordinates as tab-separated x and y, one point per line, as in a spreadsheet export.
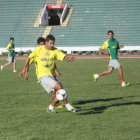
50	37
41	39
110	31
11	38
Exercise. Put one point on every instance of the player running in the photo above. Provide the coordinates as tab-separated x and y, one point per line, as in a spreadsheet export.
46	56
112	46
41	41
11	55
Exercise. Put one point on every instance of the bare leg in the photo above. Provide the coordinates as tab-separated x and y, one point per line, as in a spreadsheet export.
120	71
54	96
14	66
5	65
57	87
55	100
65	101
106	72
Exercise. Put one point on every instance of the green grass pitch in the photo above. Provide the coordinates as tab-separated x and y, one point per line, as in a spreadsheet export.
108	112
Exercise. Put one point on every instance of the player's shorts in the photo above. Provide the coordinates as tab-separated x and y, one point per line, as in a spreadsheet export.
11	59
48	82
114	64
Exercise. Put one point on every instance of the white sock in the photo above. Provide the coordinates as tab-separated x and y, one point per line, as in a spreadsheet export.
97	75
68	106
51	107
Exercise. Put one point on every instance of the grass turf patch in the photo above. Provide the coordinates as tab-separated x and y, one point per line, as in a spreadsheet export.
109	112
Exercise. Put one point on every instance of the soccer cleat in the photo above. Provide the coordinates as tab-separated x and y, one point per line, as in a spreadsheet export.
14	71
95	76
73	109
59	107
125	84
50	111
128	84
1	67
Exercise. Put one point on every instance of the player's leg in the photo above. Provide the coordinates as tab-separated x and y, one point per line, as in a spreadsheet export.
106	72
7	64
48	84
120	72
69	107
14	66
96	76
14	63
53	97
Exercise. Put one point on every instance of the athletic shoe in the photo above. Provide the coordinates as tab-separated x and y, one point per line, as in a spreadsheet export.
14	71
50	111
73	109
95	76
59	107
125	84
1	67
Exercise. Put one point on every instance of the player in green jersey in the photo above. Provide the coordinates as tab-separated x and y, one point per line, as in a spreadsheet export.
111	47
11	55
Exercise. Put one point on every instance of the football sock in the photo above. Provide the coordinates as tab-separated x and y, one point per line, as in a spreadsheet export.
51	107
68	106
98	74
122	81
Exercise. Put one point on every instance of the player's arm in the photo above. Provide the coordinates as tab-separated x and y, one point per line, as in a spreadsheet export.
69	58
27	63
61	56
104	48
57	72
25	69
104	52
8	47
120	47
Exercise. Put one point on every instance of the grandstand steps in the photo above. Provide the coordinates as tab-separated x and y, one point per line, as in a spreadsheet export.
37	22
65	23
47	31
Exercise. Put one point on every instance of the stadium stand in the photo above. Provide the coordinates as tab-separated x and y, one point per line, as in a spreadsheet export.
17	19
87	26
91	19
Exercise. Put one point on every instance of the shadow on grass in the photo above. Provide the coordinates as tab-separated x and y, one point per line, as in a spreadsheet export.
135	84
109	84
99	100
131	84
101	109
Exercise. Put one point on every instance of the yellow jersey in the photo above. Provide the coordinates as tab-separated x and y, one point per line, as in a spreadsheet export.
11	46
45	60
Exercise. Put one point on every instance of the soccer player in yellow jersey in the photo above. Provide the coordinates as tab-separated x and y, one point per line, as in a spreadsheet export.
11	55
41	41
46	56
112	47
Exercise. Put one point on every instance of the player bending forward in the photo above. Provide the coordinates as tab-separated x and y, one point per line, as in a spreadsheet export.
46	56
41	41
112	45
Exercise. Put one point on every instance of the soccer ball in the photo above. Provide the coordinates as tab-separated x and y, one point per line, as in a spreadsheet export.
61	94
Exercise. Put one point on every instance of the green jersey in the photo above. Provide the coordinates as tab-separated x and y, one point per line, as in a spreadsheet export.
112	46
11	46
